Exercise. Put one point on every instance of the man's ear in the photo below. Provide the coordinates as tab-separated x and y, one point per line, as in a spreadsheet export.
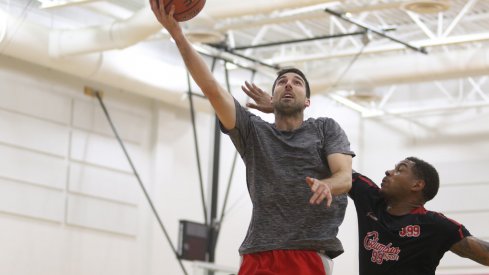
418	185
307	103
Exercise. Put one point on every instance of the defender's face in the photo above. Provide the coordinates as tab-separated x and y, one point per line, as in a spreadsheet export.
397	182
290	93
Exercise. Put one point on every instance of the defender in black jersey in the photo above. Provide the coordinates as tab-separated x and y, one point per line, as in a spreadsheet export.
397	235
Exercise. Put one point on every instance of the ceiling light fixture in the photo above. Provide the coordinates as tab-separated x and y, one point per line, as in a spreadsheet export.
426	6
47	4
201	29
308	9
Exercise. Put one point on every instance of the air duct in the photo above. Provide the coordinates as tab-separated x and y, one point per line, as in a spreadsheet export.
117	35
140	75
124	33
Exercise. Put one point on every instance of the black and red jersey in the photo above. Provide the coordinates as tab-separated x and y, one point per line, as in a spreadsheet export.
399	245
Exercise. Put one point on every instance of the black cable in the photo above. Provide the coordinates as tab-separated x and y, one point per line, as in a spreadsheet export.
155	212
230	179
196	144
296	41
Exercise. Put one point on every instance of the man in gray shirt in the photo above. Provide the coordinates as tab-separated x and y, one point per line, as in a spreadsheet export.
294	169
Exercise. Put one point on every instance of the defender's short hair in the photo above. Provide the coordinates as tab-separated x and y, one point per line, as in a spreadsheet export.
425	171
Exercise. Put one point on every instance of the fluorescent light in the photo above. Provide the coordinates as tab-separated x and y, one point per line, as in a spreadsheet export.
355	106
48	4
307	9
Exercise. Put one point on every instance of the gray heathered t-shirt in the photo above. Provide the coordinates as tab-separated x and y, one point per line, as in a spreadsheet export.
277	163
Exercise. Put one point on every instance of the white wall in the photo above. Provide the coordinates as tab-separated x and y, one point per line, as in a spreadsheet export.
69	203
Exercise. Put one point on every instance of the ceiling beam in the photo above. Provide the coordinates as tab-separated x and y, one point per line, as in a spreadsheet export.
428	43
375	30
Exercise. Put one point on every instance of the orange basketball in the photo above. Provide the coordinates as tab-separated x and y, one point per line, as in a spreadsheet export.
185	9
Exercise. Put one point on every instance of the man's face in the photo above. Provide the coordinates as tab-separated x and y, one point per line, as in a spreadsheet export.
289	96
399	181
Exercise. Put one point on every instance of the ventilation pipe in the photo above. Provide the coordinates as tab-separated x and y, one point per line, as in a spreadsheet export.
124	33
117	35
140	75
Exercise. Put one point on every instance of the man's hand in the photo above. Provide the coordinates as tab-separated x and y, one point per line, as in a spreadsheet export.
321	191
165	19
263	99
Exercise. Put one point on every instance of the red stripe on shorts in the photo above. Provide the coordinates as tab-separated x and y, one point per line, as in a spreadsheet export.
282	262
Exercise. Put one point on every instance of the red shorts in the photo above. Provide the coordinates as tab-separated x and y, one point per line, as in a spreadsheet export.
285	262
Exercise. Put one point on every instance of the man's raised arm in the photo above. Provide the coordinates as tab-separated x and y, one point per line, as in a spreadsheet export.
221	100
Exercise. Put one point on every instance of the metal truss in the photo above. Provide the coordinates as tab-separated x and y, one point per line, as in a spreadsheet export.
259	41
461	94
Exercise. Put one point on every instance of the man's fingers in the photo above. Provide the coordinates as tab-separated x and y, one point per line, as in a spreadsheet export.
257	89
309	181
319	197
154	5
172	11
251	105
249	86
329	199
159	4
320	192
245	89
248	90
158	8
314	188
252	90
314	198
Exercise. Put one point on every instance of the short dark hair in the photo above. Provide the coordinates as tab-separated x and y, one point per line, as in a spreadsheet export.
425	171
296	71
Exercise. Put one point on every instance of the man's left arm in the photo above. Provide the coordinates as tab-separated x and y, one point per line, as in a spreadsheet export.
472	248
338	183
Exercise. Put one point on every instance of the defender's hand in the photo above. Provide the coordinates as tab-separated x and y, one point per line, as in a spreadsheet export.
263	101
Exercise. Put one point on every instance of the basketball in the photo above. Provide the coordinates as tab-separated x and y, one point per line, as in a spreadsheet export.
184	9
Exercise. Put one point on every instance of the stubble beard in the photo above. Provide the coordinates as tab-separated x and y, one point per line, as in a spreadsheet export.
288	110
